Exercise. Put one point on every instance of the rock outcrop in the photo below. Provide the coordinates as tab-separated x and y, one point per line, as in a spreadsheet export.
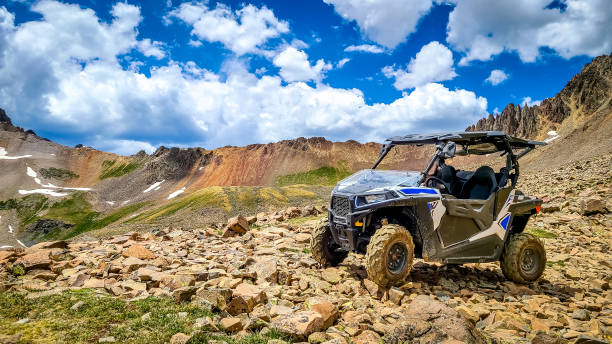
4	118
589	93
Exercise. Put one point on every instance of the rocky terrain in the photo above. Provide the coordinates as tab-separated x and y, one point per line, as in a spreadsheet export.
256	276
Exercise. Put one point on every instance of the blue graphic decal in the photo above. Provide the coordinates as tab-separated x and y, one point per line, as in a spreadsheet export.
414	191
504	221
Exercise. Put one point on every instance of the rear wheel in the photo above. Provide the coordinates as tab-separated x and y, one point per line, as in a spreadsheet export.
389	255
524	258
324	249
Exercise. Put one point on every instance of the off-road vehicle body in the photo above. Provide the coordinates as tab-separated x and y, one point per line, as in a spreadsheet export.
440	214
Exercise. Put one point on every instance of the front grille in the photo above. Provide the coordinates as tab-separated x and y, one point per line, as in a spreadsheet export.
341	206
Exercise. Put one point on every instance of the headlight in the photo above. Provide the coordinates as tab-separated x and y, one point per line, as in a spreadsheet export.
375	198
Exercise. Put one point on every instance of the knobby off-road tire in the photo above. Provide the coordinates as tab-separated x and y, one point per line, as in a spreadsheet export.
380	255
524	258
323	248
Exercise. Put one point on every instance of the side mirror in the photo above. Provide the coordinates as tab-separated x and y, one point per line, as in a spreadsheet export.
448	151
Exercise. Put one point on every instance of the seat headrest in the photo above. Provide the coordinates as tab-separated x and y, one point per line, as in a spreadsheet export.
447	173
484	176
484	172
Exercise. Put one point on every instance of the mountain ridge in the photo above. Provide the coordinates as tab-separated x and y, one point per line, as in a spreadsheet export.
588	92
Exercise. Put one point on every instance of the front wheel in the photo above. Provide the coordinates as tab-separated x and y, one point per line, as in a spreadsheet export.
324	249
524	258
389	255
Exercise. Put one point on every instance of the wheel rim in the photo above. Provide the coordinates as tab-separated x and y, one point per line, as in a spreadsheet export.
397	257
529	261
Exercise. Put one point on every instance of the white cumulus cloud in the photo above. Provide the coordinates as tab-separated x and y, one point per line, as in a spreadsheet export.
434	62
496	77
365	48
527	101
482	29
386	22
243	31
76	88
294	66
151	48
342	62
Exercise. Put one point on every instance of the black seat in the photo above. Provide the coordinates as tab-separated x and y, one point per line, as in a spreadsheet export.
480	185
448	175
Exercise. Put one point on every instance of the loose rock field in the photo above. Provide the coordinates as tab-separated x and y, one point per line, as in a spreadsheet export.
257	275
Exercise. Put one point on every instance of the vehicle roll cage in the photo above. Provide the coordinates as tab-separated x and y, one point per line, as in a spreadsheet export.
502	142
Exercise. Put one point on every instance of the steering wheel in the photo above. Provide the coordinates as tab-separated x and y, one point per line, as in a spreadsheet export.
430	179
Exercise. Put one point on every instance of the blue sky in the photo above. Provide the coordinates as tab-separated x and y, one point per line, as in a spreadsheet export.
125	76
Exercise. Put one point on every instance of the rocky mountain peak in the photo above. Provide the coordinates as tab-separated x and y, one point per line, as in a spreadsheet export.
587	93
4	117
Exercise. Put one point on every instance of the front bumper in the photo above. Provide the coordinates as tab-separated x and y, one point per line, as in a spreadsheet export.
342	221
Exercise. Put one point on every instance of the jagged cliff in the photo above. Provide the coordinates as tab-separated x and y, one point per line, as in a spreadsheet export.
587	95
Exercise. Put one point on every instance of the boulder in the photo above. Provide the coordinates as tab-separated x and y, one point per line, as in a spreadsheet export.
244	298
183	294
231	324
593	205
367	337
36	259
396	295
427	320
266	270
325	308
173	282
49	245
180	338
94	283
138	251
299	325
216	298
292	212
238	224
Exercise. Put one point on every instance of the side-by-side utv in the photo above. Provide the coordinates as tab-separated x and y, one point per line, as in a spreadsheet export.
441	214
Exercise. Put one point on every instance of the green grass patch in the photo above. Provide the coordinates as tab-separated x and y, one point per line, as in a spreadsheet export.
98	223
296	221
553	263
112	169
77	211
207	197
306	250
74	210
326	175
58	173
252	338
540	233
52	320
231	200
27	208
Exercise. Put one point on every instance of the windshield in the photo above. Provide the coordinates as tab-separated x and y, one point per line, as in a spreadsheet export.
372	179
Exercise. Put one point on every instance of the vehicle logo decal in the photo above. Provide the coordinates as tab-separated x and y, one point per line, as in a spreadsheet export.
432	206
413	191
503	223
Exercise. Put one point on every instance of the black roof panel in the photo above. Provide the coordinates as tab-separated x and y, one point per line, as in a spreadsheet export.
463	137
